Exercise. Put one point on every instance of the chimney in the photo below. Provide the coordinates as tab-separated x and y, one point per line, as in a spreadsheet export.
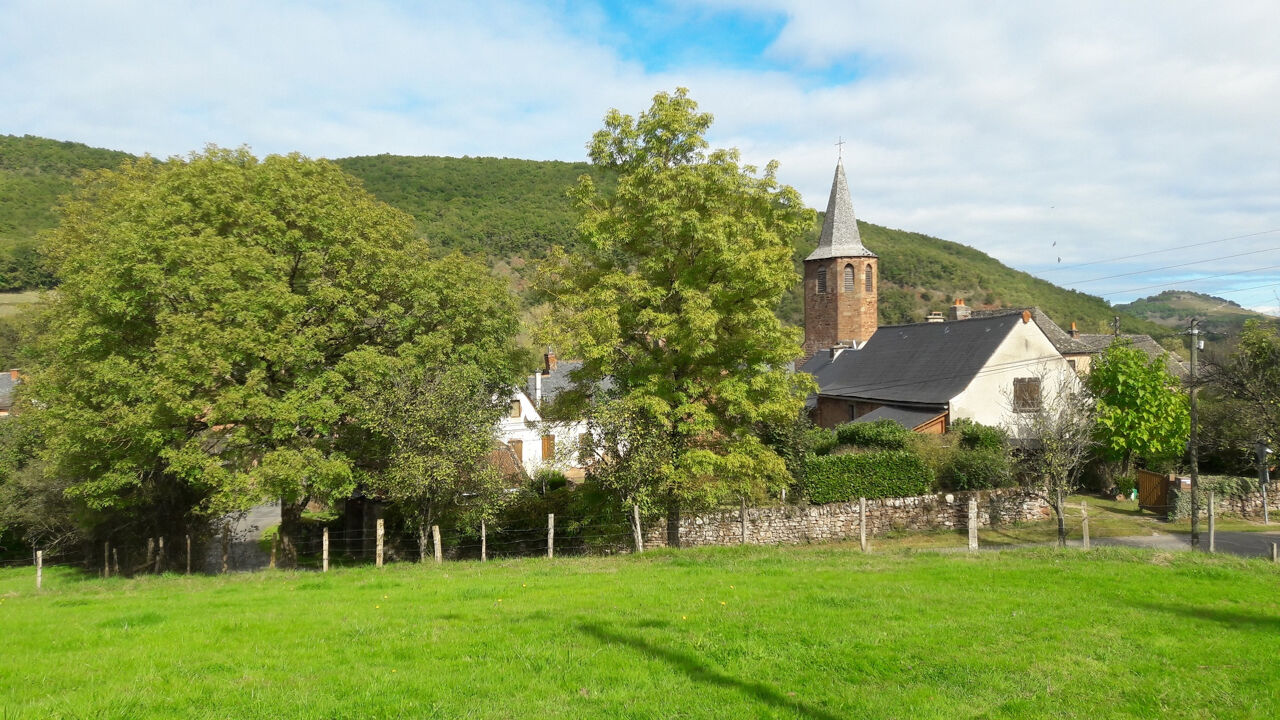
936	317
960	311
537	390
1026	316
549	362
13	374
836	350
1073	332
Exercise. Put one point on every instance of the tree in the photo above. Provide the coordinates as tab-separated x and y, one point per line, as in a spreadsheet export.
199	352
1142	412
1250	380
1056	440
440	428
673	295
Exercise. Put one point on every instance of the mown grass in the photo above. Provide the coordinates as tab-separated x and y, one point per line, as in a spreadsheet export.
807	632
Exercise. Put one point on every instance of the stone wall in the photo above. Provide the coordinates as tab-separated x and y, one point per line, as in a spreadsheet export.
793	524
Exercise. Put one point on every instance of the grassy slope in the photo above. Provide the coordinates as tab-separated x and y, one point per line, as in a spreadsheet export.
513	210
812	632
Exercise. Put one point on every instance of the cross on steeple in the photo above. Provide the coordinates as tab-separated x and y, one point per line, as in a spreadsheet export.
840	145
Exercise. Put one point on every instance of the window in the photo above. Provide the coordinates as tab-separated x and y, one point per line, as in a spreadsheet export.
548	447
870	277
517	448
1026	394
1072	363
515	409
822	279
849	282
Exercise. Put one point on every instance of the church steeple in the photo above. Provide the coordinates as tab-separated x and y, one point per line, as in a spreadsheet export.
840	236
841	282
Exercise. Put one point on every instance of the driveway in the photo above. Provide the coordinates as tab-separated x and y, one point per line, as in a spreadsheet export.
1244	544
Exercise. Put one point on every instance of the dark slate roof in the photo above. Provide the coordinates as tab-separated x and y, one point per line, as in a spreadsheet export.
7	384
919	364
909	418
1060	338
559	380
840	236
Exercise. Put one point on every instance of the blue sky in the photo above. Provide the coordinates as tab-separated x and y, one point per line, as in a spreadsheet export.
1086	130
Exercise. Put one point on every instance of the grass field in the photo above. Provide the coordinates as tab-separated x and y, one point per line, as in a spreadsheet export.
805	632
11	303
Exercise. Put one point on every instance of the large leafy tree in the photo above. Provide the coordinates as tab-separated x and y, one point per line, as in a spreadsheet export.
673	297
1142	413
202	346
1249	380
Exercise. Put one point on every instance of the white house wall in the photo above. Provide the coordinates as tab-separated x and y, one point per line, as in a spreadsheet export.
529	429
1026	352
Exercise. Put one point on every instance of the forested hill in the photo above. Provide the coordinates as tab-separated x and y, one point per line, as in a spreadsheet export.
513	210
1175	308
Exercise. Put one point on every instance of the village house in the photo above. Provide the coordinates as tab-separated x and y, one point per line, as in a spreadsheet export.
924	376
535	442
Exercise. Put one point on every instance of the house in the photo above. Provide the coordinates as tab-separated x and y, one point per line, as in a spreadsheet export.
922	375
535	442
9	380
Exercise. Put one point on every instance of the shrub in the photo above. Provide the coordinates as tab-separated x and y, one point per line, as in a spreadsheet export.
881	434
980	469
881	474
1125	484
820	441
976	436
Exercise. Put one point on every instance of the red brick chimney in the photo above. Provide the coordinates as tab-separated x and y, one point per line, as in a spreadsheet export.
13	374
549	362
1073	332
960	311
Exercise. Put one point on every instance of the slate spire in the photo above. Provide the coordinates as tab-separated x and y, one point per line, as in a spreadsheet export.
840	237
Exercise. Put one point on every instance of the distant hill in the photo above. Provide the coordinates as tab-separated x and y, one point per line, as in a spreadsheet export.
1175	308
512	211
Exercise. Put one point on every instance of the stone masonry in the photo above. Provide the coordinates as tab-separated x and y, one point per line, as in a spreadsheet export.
795	524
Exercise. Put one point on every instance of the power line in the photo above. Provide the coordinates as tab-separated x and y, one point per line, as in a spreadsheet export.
1170	267
1164	250
1183	282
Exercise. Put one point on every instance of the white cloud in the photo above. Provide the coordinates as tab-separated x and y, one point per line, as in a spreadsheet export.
1108	128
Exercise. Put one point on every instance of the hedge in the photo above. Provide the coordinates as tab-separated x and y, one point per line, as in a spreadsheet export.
882	434
980	469
880	474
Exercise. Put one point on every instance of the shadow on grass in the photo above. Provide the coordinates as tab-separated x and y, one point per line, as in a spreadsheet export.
1234	618
699	671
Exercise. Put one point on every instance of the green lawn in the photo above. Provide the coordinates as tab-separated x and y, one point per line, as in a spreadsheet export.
804	632
11	303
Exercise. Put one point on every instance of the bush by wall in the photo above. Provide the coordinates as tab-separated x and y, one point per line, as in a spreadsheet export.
820	441
980	469
976	436
881	434
881	474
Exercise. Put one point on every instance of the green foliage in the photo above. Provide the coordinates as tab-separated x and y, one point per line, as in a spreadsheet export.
214	316
820	441
980	468
1224	488
882	434
1248	386
976	436
879	474
672	297
1142	412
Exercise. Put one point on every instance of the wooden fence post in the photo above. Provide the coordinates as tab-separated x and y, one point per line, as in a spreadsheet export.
39	568
115	562
1212	546
275	544
226	547
188	554
378	556
324	551
1275	552
160	555
743	519
435	541
484	542
973	524
1084	522
151	552
551	535
862	523
106	559
635	527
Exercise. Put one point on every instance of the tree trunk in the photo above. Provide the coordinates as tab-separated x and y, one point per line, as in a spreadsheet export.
673	524
424	539
1062	521
290	529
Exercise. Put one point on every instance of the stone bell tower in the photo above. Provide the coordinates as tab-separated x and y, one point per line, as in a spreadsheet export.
841	279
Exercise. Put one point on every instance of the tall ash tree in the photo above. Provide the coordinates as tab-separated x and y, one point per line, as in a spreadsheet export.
673	298
1142	413
214	315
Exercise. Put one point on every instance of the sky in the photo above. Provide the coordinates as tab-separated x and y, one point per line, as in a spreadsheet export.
1095	144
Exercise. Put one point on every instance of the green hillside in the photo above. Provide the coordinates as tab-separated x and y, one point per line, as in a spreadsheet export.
1174	309
511	211
33	173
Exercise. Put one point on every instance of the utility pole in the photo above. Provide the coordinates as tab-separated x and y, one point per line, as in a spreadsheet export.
1195	464
1115	326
